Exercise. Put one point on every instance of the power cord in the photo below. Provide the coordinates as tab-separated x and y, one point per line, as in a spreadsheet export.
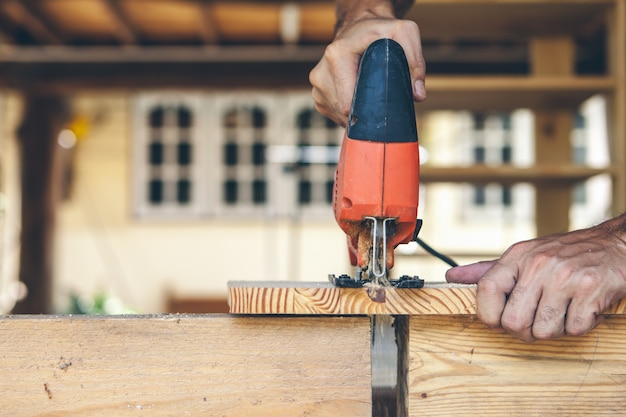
435	253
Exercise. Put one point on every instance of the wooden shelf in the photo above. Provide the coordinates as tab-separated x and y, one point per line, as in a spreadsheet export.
476	174
511	92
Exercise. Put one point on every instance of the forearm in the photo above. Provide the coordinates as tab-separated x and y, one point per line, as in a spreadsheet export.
349	11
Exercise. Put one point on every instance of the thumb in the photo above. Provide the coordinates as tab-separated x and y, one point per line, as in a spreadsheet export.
468	274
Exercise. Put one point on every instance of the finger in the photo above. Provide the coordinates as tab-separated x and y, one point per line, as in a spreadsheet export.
519	312
342	64
324	93
468	274
549	320
407	34
493	290
581	318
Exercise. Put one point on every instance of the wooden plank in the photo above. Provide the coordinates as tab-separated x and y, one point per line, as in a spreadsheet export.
458	367
553	56
563	174
185	365
279	297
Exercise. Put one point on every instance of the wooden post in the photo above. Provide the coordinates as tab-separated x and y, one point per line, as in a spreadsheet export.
552	146
552	57
616	103
43	118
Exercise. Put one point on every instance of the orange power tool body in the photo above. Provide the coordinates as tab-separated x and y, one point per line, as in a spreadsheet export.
376	188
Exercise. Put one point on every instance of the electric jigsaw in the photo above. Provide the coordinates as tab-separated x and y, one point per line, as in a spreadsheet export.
376	189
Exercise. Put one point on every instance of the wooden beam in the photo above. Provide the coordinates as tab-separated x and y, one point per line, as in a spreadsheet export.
185	365
41	177
7	28
39	25
553	57
208	30
552	147
456	366
559	174
279	297
616	103
125	29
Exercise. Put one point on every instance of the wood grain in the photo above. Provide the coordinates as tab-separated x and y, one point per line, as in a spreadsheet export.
179	365
273	297
459	367
279	297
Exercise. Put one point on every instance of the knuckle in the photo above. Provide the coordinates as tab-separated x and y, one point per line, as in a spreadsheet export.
589	281
544	333
405	27
580	325
334	51
513	324
487	286
488	320
517	249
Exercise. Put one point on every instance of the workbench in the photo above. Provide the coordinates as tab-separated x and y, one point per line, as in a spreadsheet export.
306	349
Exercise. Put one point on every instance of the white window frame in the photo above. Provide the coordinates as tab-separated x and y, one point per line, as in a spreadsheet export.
142	105
209	171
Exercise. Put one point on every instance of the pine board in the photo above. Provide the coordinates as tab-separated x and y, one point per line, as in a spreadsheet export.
318	298
178	365
456	367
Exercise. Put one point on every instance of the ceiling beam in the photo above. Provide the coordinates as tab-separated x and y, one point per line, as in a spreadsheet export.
38	23
160	54
126	31
7	28
208	31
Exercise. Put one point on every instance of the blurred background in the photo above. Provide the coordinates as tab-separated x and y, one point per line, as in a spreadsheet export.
151	151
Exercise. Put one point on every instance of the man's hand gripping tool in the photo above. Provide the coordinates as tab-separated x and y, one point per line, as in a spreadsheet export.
376	188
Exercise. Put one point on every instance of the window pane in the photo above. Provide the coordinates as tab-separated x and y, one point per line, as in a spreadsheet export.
480	195
230	154
156	117
231	191
258	191
183	191
507	196
258	118
479	154
507	153
304	119
184	153
304	192
155	191
330	184
258	153
156	153
184	117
